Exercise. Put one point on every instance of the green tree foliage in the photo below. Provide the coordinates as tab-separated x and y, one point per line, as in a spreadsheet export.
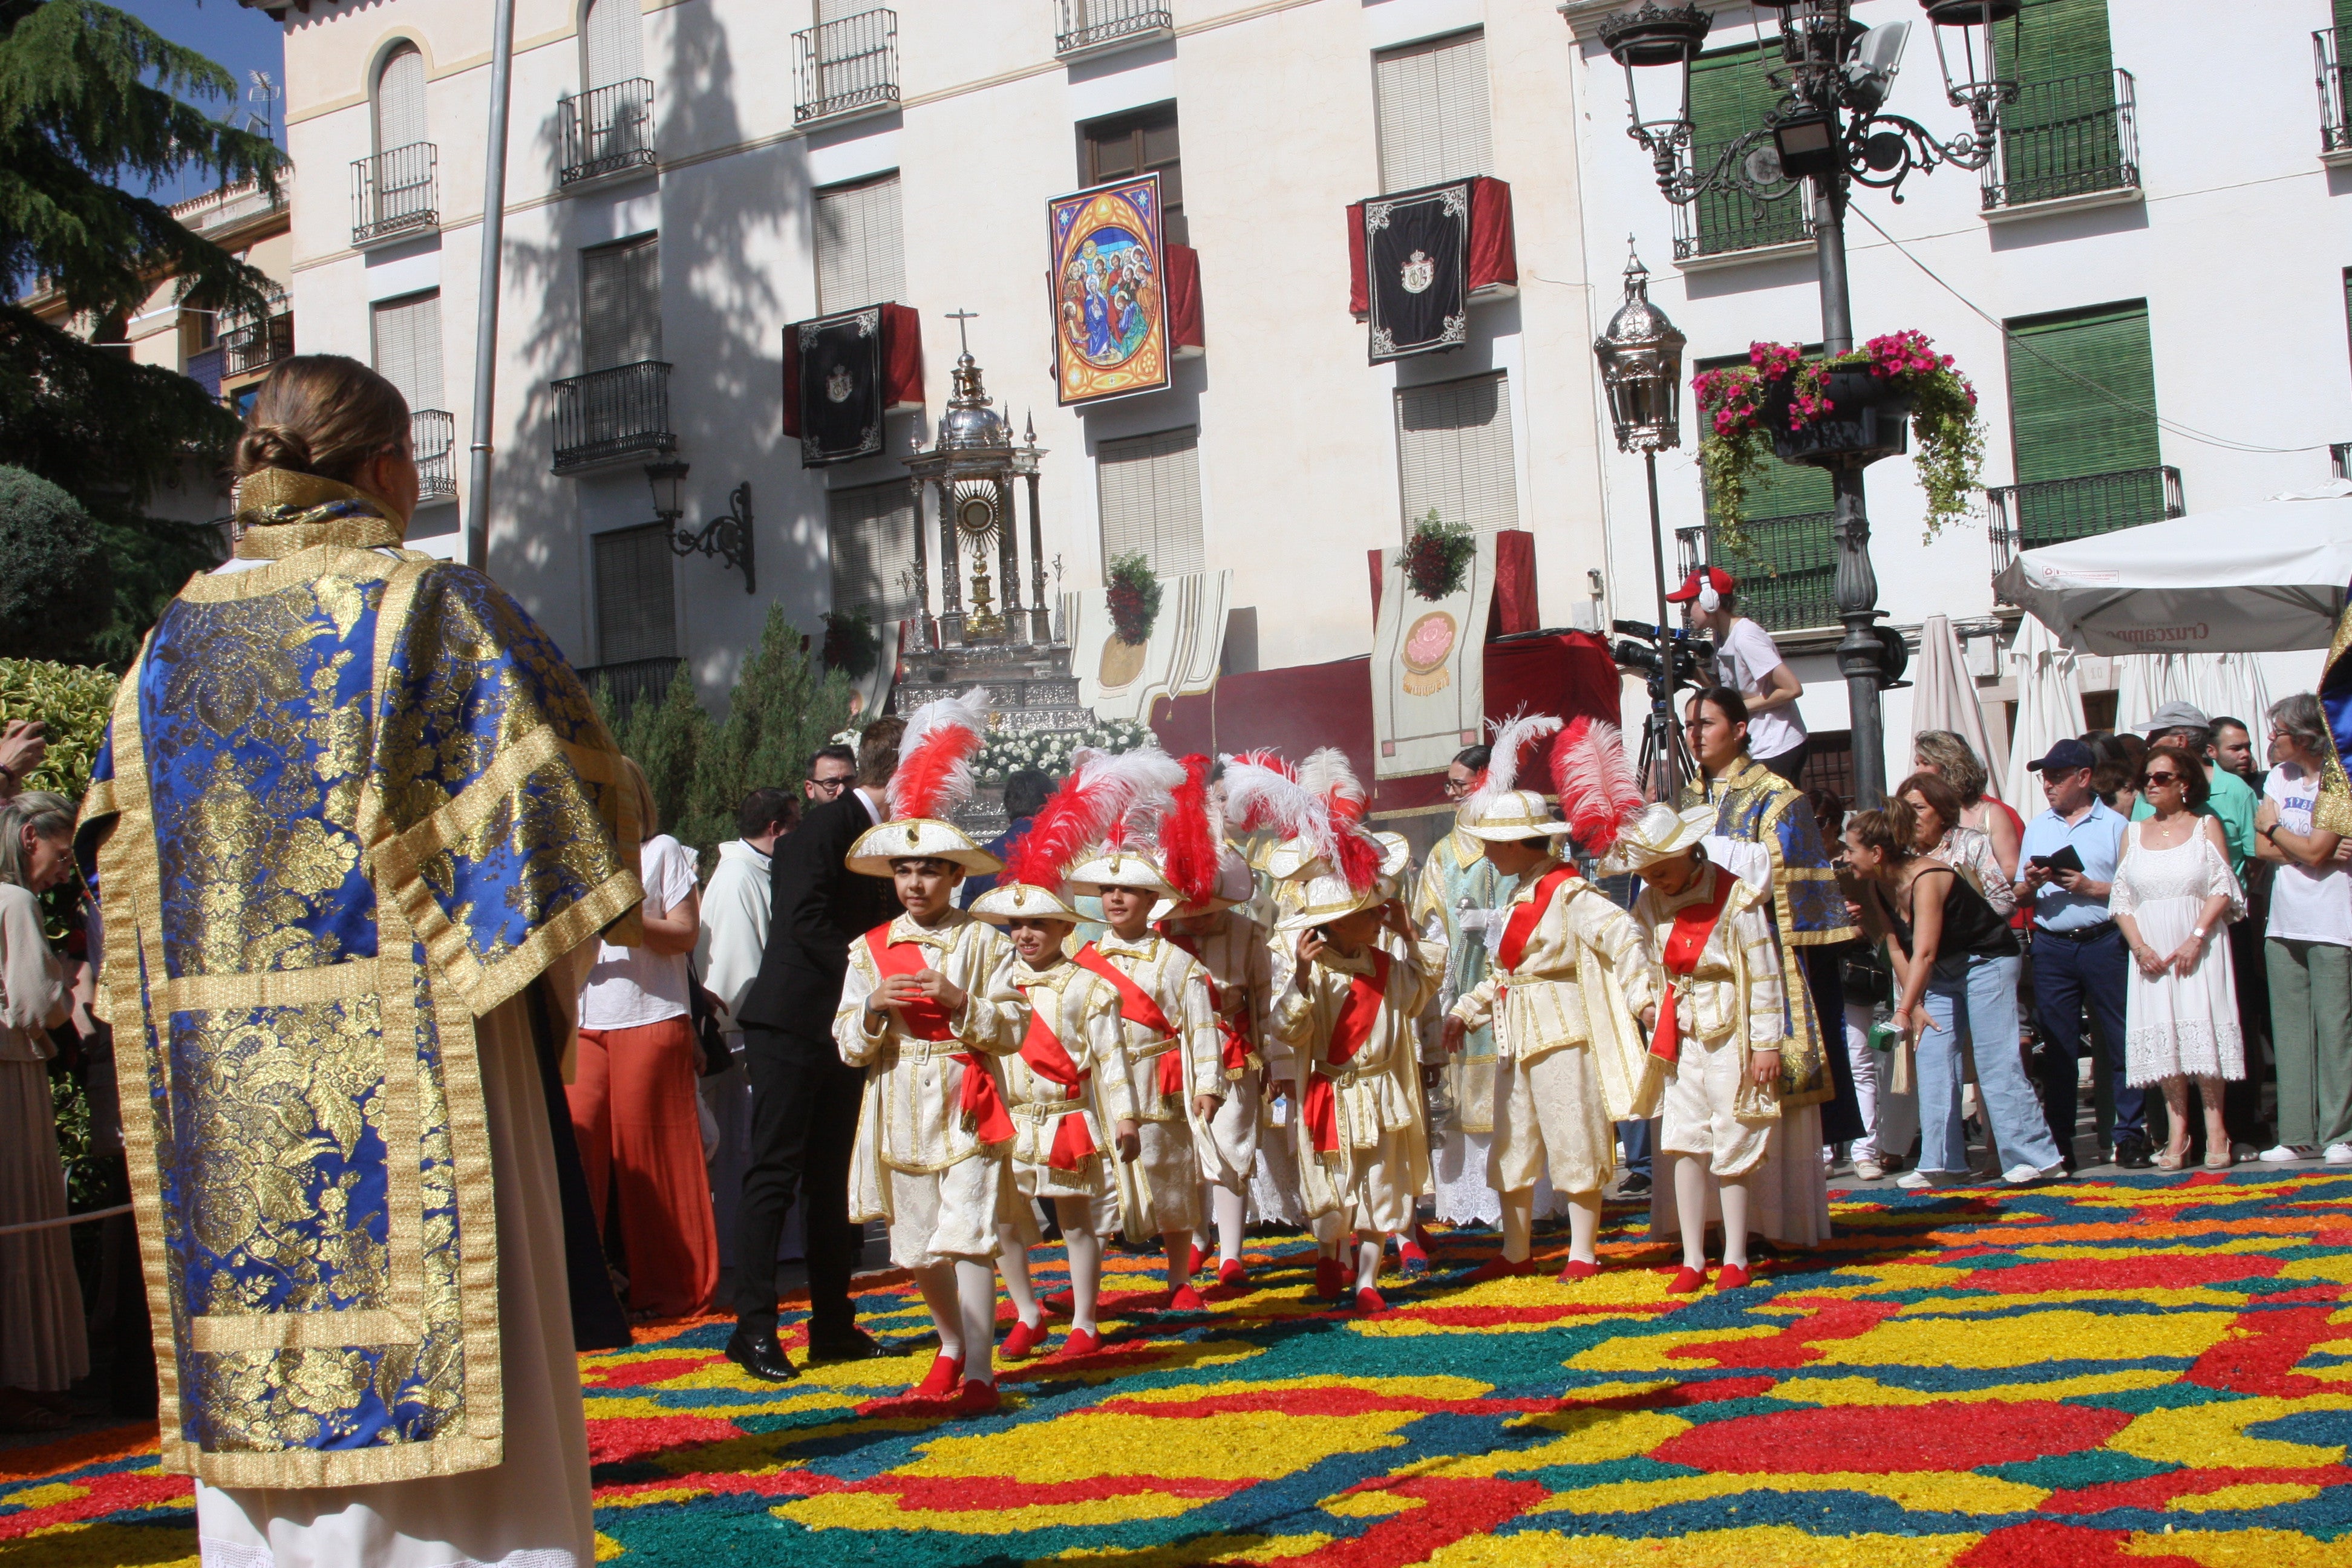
54	584
72	702
92	100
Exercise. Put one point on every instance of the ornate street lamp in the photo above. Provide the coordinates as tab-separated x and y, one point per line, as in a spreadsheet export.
1828	131
727	538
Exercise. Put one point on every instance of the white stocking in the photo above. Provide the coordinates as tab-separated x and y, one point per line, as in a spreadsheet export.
1077	1223
1518	1224
975	1283
1583	1226
1368	1259
1733	1191
1690	1204
938	1284
1180	1257
1012	1263
1231	1207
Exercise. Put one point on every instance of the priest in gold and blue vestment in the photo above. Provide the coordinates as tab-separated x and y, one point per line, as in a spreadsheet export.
355	830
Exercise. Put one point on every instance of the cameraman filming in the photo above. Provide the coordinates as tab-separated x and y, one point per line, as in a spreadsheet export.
1749	662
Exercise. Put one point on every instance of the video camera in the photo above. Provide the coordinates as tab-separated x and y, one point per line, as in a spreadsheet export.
1649	648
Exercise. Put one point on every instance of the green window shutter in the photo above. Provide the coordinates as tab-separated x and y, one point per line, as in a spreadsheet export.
2061	428
1788	570
1729	97
2061	139
2058	39
2344	19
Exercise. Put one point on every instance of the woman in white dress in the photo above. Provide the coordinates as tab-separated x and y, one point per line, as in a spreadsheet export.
2173	890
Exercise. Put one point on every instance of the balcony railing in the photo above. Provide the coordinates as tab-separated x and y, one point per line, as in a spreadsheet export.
607	130
2027	517
2339	456
631	681
252	345
394	194
1721	223
610	413
1091	23
847	67
2335	123
433	436
1786	568
2074	136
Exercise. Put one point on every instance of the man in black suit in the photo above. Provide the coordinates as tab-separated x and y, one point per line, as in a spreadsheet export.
805	1102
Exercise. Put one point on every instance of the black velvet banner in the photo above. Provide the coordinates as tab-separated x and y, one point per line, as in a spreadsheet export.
840	390
1417	247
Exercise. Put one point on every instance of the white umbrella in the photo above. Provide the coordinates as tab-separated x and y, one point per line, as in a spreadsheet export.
2265	577
1946	696
2049	707
2215	684
2233	687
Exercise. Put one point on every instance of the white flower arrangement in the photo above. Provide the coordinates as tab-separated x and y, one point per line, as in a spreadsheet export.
1051	751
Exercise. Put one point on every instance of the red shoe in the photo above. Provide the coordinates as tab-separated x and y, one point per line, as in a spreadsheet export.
945	1374
1200	1260
1576	1270
1499	1268
1685	1280
1076	1343
1330	1278
1369	1300
1185	1299
1023	1341
978	1399
1730	1277
1061	1303
1231	1272
1411	1258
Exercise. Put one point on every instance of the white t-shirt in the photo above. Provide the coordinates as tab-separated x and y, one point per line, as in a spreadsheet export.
1746	656
2307	904
633	986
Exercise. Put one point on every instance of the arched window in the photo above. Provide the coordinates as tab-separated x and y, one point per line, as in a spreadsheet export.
613	41
400	100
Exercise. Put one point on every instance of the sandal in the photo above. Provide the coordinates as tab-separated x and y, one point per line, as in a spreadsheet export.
2220	1163
2167	1160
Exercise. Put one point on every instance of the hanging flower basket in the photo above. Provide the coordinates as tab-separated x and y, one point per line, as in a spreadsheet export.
1134	598
1839	412
851	645
1438	557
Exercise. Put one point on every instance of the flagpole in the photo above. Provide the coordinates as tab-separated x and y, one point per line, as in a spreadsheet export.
486	337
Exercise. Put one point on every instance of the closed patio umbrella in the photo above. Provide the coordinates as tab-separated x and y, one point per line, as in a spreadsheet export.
1946	697
2049	709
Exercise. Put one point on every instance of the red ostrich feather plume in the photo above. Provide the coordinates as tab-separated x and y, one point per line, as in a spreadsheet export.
1598	792
1188	844
934	775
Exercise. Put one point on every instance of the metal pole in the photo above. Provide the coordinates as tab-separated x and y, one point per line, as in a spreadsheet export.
1657	533
486	335
1857	582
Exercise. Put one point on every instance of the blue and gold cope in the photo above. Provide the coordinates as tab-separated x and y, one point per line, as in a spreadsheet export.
349	802
1756	805
2333	810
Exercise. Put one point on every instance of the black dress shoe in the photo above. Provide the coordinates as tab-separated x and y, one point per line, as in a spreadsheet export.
855	1345
1635	1185
761	1357
2132	1154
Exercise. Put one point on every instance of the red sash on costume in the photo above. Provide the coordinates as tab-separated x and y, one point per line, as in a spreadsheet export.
1136	1005
1235	1053
1522	923
1050	1059
1367	993
925	1019
1693	923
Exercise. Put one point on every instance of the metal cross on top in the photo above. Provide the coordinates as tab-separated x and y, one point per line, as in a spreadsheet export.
959	318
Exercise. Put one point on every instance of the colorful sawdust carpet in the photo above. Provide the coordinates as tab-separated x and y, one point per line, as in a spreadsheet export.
2145	1371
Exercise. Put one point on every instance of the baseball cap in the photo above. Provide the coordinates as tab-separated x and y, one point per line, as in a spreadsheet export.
2065	757
1712	576
2177	716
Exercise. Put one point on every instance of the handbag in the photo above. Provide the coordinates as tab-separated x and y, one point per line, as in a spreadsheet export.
716	1055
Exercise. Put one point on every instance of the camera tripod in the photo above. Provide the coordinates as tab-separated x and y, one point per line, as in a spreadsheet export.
1671	659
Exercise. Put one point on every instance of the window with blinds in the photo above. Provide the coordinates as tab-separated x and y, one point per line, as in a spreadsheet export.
2082	413
620	302
860	249
871	535
407	344
1729	97
636	606
1149	491
2061	137
1134	145
612	42
400	100
1430	100
1454	456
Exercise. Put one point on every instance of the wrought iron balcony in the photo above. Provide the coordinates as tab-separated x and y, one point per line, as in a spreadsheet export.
611	414
1786	568
1728	221
433	436
607	130
2027	517
848	67
1095	24
2334	95
255	345
394	192
2074	136
631	681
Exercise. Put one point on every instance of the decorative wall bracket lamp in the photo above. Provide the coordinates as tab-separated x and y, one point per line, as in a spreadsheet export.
727	538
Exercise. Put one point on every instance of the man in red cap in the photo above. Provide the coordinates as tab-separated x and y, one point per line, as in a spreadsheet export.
1749	661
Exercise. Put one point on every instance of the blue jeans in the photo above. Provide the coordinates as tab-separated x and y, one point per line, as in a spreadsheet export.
1982	991
1635	1136
2070	979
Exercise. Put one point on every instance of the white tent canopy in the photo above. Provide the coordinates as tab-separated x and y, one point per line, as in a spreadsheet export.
2049	709
2267	577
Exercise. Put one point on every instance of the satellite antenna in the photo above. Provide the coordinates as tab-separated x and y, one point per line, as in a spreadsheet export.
263	92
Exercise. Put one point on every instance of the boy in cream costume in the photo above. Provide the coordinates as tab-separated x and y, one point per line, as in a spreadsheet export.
924	1010
1719	1027
1569	976
1171	1048
1349	1013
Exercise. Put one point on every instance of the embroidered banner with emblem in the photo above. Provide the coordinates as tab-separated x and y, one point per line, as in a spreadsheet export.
843	374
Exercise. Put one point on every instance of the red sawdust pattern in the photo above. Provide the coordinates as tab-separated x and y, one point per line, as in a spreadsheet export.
1335	1399
1453	1508
642	1437
2160	1229
774	1483
2044	1543
2156	1491
2163	1271
984	1494
123	1491
72	1452
2258	1354
1496	1317
1707	1393
1793	1346
1944	1436
638	1374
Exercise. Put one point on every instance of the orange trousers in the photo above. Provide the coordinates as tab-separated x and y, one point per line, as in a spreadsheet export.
633	1098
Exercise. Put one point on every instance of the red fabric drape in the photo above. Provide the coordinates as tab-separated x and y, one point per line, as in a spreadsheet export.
1185	324
1514	608
1494	259
902	365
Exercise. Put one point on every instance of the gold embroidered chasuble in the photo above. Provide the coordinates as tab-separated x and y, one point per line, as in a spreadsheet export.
348	803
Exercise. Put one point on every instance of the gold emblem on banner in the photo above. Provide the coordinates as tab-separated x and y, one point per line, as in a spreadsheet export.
1427	644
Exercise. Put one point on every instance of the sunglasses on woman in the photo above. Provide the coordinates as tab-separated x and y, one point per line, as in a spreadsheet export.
2164	778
